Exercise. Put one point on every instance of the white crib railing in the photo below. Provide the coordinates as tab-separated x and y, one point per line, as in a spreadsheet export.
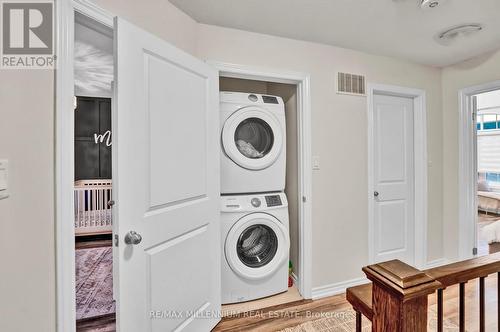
92	211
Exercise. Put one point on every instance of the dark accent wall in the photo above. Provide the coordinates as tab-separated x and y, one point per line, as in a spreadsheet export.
92	116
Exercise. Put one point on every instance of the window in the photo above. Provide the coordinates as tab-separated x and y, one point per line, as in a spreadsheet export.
488	122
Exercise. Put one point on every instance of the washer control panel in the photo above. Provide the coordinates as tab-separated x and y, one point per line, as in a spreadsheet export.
253	202
273	200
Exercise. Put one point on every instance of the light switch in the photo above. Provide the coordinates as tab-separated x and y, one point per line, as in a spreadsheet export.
4	188
315	161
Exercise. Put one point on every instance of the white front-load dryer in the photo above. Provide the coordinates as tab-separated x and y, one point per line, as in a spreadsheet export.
253	143
255	246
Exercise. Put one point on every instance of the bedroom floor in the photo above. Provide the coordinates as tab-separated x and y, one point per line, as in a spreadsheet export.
483	220
95	307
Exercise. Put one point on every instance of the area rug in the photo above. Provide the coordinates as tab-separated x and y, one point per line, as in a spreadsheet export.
94	282
345	321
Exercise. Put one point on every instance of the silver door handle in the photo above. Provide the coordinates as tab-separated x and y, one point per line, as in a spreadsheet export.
133	237
375	193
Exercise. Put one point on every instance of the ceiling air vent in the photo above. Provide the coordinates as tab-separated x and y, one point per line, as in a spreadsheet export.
351	84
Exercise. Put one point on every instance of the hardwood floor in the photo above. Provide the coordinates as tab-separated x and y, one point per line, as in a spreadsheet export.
282	316
105	323
291	295
93	241
292	314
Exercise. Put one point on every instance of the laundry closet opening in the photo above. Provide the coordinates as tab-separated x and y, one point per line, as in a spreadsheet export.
258	143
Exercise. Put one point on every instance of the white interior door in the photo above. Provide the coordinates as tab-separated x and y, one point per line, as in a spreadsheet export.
393	172
166	178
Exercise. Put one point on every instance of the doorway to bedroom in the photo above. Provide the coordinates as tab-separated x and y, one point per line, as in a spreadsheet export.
93	186
486	108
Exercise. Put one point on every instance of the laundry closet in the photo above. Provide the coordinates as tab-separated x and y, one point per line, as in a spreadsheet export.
259	193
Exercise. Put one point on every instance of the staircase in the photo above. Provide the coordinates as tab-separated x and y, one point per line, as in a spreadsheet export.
396	298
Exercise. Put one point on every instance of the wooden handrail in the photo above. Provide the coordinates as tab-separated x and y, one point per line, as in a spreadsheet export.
464	271
396	299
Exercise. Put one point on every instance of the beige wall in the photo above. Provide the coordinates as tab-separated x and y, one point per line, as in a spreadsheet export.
27	216
159	17
482	69
339	124
239	85
27	235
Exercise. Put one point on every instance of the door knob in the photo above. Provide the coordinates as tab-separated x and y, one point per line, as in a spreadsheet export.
111	203
133	237
375	193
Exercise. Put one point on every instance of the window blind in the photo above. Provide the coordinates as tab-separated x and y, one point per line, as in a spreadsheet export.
488	153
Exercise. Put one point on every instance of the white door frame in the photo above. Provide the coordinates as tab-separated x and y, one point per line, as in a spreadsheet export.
64	135
467	169
302	81
420	167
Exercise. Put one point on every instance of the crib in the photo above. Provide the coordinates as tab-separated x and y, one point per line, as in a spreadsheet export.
92	211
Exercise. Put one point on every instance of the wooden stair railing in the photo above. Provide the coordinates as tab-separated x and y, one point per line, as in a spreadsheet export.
396	298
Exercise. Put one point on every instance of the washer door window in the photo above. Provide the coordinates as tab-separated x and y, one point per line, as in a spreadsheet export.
252	138
256	246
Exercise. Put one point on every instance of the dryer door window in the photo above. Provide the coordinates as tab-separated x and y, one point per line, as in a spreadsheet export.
254	138
257	245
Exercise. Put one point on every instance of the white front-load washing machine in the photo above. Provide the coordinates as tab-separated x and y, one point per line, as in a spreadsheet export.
255	246
253	138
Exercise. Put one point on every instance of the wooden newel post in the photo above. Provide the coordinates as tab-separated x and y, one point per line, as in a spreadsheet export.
399	296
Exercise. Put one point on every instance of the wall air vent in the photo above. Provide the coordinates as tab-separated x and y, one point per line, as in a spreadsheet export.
351	84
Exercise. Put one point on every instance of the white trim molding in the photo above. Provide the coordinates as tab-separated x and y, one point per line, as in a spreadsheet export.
91	10
302	80
467	169
64	136
64	149
336	288
420	169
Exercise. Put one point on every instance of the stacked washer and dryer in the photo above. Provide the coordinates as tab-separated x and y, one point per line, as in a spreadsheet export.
254	209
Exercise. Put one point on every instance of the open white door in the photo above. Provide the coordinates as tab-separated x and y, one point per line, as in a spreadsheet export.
166	186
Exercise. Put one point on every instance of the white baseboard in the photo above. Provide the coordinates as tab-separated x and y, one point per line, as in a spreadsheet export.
336	288
340	287
436	263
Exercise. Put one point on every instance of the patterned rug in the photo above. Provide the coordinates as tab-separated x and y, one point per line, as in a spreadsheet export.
345	321
337	321
94	282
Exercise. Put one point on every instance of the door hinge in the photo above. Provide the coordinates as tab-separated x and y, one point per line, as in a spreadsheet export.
474	251
304	199
116	240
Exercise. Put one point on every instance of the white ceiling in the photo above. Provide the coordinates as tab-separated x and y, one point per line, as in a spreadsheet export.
396	28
